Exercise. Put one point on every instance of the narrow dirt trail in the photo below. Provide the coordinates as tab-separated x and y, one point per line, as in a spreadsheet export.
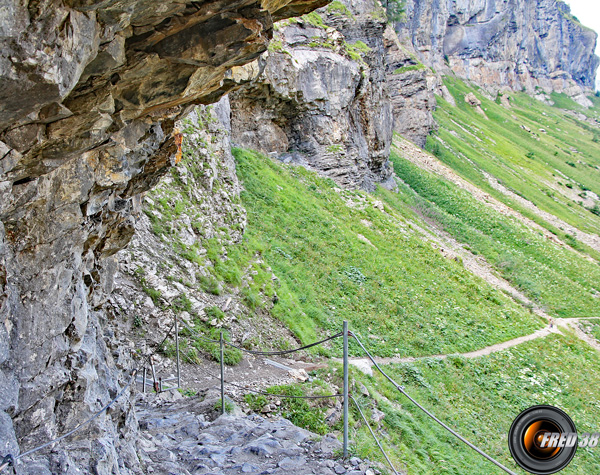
571	323
488	350
428	162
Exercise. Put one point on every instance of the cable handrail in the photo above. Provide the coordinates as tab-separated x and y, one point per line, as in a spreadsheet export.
373	434
454	433
261	353
9	459
284	352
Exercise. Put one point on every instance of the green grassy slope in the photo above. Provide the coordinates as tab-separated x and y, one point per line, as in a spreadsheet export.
553	165
338	256
402	291
564	283
480	398
561	281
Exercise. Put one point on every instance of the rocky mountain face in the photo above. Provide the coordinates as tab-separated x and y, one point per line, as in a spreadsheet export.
90	92
321	99
91	95
518	43
412	87
176	262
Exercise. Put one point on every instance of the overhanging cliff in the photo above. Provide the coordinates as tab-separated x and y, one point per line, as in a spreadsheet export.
89	94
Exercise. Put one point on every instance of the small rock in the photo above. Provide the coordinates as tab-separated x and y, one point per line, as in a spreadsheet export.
339	469
249	468
377	415
472	100
299	375
363	365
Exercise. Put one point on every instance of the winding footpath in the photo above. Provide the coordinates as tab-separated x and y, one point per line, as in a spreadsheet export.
571	323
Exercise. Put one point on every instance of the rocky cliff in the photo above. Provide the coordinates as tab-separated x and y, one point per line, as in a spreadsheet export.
90	92
518	43
321	99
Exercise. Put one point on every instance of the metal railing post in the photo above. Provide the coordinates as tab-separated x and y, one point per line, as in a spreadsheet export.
177	350
222	376
345	330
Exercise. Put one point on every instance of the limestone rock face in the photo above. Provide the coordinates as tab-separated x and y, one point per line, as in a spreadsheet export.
412	87
321	99
89	95
495	43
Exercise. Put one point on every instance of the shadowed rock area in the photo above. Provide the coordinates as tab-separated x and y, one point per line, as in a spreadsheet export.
90	92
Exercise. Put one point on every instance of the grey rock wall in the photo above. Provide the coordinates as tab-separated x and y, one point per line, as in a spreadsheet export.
89	95
321	99
412	88
494	43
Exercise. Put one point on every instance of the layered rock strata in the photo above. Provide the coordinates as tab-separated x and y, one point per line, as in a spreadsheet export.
518	43
89	95
320	100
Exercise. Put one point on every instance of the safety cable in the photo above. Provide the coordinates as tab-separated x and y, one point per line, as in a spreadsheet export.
9	459
167	335
284	352
455	434
374	436
261	353
198	335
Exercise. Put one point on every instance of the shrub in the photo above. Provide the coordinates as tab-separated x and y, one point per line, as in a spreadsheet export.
394	10
209	284
214	312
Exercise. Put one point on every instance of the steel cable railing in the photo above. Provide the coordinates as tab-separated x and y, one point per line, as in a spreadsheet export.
9	459
374	436
454	433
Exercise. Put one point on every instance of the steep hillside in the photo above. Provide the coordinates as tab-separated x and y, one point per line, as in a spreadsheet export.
340	254
122	205
89	95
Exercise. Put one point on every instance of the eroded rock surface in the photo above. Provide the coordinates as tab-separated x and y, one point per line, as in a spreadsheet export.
495	43
181	437
412	88
321	99
89	95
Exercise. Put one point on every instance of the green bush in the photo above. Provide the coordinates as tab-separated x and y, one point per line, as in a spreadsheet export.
214	312
209	284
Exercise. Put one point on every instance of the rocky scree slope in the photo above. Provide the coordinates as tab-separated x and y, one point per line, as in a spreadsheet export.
521	44
182	437
179	259
90	95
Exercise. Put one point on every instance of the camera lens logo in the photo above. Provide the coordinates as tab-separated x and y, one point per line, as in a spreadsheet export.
543	440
